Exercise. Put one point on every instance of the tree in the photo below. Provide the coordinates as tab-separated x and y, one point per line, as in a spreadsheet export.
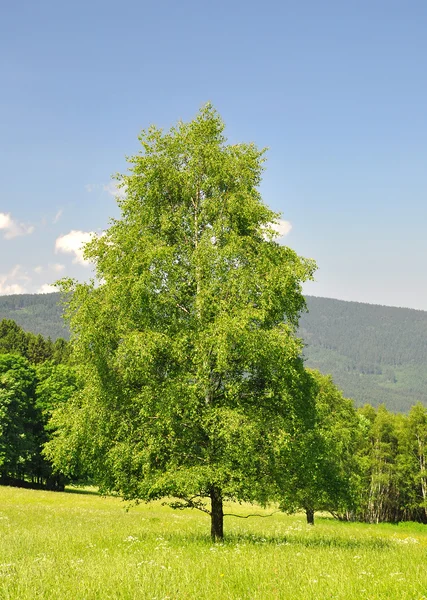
323	474
18	417
187	344
56	383
380	455
39	350
412	463
13	338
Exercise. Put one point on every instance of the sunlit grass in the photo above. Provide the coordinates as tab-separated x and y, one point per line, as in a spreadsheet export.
83	546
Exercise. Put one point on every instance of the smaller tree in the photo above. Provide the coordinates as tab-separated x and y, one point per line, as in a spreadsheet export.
323	474
56	383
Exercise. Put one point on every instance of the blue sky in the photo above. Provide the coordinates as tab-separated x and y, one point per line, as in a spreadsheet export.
336	90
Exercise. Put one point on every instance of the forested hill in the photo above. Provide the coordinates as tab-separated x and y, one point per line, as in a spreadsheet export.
38	313
375	353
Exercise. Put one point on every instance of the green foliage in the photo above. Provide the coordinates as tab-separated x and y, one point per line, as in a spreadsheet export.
392	459
187	346
319	470
18	418
31	387
37	349
56	383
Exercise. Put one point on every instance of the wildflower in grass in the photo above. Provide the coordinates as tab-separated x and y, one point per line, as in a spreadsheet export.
407	540
6	569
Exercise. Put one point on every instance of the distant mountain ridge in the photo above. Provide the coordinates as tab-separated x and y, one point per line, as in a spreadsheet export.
38	313
375	353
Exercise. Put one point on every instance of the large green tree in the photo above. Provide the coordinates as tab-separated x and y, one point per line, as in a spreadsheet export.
187	343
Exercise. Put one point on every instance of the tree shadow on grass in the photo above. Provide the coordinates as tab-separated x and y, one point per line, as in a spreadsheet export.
306	540
81	491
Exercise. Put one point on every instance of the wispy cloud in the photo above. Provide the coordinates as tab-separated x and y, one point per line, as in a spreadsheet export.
14	282
57	216
56	267
12	228
112	189
73	243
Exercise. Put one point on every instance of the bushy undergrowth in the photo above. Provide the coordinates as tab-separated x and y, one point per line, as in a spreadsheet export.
82	546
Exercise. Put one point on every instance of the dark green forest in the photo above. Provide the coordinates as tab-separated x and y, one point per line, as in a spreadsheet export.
376	354
36	313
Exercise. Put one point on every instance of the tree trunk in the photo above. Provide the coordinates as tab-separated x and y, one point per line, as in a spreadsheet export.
217	515
310	516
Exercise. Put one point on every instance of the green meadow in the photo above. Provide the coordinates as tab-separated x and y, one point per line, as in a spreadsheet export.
79	545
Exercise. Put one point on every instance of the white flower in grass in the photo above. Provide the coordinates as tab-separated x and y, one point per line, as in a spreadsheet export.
408	540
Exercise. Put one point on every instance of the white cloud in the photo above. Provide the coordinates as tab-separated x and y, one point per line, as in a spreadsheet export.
12	282
73	243
282	227
279	227
38	269
12	228
91	187
112	189
46	288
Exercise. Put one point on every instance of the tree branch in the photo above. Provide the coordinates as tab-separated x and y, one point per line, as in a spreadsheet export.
183	308
253	515
188	503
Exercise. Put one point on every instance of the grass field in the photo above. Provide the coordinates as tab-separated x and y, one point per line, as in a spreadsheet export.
81	546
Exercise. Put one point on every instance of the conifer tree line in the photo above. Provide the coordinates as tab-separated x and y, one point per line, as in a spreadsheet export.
184	378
